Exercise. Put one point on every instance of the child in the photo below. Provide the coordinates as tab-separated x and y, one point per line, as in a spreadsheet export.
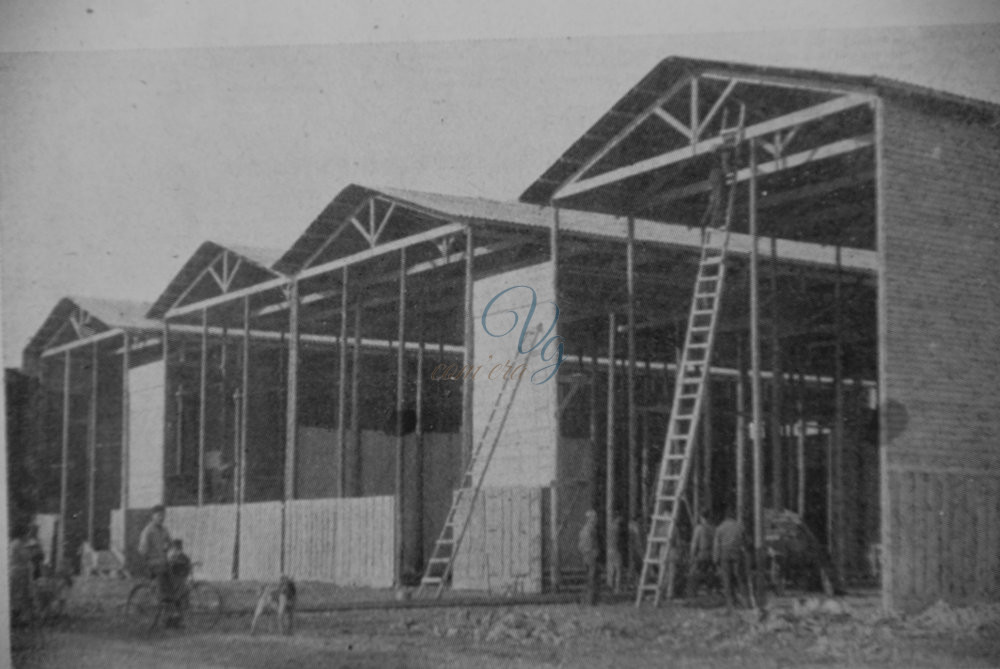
178	566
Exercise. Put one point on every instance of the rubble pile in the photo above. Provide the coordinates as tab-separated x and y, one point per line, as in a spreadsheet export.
942	618
522	628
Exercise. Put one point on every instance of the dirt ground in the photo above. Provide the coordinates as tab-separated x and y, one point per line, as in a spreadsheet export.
796	632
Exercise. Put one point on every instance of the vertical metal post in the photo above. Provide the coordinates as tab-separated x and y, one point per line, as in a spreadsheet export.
707	445
418	472
245	397
838	421
755	389
741	432
64	465
610	492
92	444
554	496
125	449
400	406
592	427
776	422
169	415
291	414
467	354
633	456
342	390
800	458
202	406
356	486
644	489
292	396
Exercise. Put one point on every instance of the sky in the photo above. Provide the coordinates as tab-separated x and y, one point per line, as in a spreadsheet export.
132	131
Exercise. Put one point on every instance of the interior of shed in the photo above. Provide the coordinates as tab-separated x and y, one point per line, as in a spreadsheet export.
813	171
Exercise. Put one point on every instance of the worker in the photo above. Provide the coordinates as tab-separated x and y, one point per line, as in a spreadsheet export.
702	542
728	554
587	544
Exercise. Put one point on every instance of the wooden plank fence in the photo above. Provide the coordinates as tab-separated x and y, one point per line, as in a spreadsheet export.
502	548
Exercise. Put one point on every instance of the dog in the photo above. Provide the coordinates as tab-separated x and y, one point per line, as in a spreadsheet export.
279	598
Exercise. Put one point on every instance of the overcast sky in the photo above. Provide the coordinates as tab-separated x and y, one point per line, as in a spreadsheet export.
132	131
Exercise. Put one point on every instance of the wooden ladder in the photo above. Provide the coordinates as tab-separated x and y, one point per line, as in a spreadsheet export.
446	547
689	391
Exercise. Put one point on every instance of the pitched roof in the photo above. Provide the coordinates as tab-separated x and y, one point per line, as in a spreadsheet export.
426	207
107	314
262	261
673	69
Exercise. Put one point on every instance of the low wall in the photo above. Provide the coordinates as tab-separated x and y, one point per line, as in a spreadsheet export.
345	541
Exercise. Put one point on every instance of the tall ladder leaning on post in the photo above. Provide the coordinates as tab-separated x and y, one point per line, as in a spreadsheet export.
692	375
442	559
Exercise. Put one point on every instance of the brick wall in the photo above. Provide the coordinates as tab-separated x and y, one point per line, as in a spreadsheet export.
940	354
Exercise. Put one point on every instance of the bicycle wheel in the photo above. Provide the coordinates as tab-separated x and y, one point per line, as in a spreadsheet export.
142	608
202	607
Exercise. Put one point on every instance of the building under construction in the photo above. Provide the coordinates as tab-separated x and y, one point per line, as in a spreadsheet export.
743	287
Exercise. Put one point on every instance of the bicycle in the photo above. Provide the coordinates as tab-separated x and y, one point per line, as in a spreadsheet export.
199	604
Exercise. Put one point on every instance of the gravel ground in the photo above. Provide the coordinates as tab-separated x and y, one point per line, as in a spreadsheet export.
803	632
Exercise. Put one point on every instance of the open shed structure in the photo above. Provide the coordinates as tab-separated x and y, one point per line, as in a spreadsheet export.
903	175
317	412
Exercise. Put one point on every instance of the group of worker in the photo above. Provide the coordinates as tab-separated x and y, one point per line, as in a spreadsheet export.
713	551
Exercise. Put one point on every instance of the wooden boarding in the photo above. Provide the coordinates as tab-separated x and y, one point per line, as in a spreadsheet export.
502	549
260	541
209	535
346	541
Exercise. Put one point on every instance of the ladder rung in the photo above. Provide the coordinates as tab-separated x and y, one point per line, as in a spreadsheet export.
439	560
430	580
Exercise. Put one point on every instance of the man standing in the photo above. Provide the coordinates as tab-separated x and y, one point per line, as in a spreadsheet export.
727	553
587	545
154	543
702	542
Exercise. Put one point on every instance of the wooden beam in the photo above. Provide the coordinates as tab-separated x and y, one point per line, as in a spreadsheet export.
799	159
816	189
624	132
716	107
798	117
80	343
672	121
332	237
168	408
671	235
